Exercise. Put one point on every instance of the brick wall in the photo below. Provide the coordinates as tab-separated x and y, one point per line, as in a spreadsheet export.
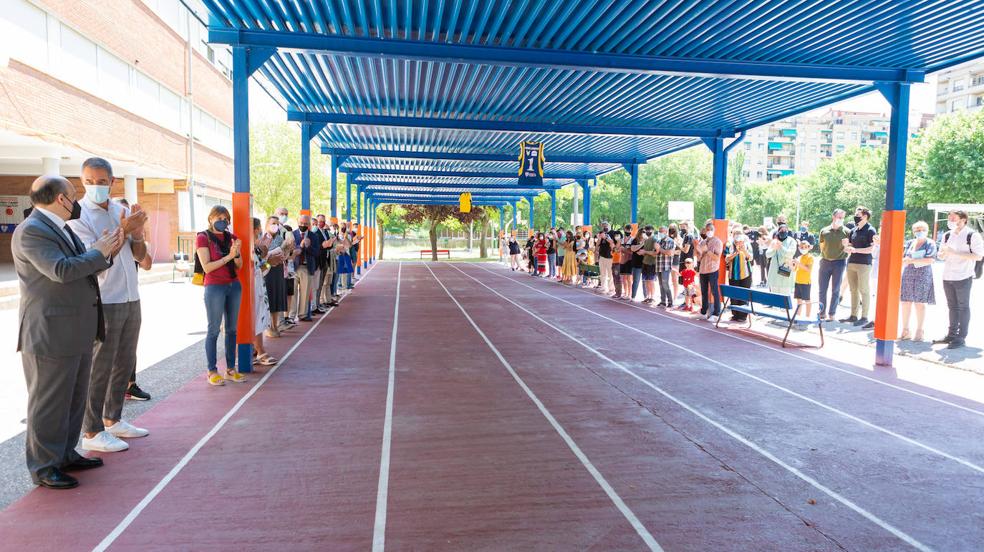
162	214
148	43
36	104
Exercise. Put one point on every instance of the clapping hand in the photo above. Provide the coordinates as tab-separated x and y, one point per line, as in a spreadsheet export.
110	243
236	247
133	225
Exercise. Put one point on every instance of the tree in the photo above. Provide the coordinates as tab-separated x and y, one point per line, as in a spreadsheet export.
275	171
390	218
433	215
946	163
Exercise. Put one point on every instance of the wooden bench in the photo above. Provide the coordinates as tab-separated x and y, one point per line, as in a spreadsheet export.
771	305
445	252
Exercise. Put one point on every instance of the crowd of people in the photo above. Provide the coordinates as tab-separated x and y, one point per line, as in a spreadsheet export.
299	273
631	262
77	260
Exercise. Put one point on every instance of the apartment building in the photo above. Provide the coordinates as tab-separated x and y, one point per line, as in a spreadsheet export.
129	80
960	88
797	146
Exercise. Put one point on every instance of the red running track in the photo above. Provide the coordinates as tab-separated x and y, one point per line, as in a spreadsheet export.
529	416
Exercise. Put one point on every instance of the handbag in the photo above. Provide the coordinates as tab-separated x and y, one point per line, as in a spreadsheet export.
785	271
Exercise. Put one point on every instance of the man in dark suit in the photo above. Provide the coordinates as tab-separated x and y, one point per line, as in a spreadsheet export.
306	265
60	319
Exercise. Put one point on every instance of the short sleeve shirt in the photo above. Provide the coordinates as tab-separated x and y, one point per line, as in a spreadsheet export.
831	243
860	239
805	269
223	275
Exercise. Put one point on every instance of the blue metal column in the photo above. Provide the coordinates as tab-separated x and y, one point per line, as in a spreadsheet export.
530	200
348	203
633	193
502	228
358	215
371	205
333	169
240	144
586	221
515	206
305	168
553	208
719	180
892	225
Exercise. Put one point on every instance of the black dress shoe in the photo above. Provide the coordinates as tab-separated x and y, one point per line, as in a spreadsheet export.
53	478
946	339
849	320
868	326
306	319
955	344
860	321
83	464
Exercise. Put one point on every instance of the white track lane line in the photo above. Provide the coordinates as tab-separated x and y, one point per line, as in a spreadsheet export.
731	433
647	537
786	390
150	496
732	335
382	491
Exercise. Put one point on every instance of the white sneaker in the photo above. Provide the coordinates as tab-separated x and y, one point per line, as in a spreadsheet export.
713	319
104	442
126	431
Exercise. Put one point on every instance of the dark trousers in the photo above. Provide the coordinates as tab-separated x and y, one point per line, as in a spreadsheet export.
745	283
958	302
709	287
831	273
56	391
617	279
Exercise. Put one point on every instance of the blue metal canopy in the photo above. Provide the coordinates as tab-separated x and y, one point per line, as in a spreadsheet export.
450	88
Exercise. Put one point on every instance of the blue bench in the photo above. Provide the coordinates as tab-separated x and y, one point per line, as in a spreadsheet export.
771	305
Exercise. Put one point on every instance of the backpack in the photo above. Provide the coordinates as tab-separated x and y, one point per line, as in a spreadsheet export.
979	265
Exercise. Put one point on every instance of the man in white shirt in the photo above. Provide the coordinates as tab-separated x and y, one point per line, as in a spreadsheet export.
960	251
115	358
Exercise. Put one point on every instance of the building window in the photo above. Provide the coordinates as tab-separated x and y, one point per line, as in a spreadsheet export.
27	32
840	136
958	85
840	148
79	58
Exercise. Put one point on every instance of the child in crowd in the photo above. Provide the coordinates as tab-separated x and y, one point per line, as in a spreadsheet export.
804	276
687	277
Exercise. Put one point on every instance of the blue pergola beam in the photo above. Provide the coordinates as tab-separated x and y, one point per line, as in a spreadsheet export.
417	183
558	59
456	156
462	174
503	126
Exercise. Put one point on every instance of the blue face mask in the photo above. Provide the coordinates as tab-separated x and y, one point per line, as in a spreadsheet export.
97	194
221	225
921	234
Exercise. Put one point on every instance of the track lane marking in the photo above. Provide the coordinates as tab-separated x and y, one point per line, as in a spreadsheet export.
732	335
382	490
731	433
152	494
629	515
815	402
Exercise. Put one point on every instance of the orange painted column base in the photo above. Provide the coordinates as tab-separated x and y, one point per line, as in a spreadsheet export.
721	233
889	285
242	227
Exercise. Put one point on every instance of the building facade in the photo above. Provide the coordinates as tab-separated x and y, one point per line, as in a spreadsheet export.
960	88
128	80
797	146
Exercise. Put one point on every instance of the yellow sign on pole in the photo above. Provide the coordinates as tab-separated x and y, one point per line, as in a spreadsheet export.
465	202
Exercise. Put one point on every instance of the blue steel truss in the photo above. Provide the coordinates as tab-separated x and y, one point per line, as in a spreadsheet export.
432	88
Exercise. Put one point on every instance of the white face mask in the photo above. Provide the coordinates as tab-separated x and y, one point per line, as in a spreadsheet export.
274	228
710	234
837	223
96	193
951	225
